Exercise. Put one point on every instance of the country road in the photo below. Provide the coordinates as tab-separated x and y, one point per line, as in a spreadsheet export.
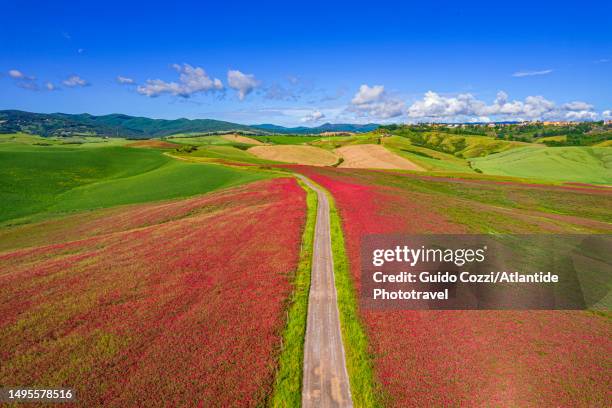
326	382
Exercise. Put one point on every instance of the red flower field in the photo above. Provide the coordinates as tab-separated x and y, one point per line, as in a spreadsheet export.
177	303
475	358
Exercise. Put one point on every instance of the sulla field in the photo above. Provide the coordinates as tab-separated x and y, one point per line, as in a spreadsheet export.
473	358
157	297
175	271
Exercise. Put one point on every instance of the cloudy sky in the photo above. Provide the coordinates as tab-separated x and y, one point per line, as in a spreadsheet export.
310	63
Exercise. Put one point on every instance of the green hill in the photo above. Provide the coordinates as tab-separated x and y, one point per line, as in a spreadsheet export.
133	127
569	164
62	124
432	160
41	181
460	146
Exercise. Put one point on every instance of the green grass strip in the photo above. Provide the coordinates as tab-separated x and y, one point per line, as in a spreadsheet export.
288	385
365	391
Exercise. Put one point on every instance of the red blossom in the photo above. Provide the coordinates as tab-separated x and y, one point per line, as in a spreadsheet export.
465	358
178	303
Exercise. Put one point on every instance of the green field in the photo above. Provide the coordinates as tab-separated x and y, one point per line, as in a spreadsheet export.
199	140
43	178
41	181
569	164
286	139
431	160
460	146
84	141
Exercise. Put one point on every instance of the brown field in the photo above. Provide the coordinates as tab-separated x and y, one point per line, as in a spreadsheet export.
308	155
242	139
155	144
373	156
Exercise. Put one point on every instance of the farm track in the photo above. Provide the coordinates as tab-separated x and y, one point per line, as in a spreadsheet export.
326	382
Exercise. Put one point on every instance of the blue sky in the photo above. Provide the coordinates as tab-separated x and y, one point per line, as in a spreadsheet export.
309	63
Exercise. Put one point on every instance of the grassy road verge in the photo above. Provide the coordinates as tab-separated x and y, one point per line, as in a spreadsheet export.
364	388
288	384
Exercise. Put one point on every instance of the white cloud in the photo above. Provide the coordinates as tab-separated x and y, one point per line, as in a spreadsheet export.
191	80
74	81
537	107
15	73
23	81
243	83
30	82
313	116
124	80
367	94
372	101
435	106
466	107
578	110
384	110
581	115
607	114
521	74
577	106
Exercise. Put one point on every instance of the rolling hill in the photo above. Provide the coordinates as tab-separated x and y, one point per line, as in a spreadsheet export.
41	181
569	164
62	124
134	127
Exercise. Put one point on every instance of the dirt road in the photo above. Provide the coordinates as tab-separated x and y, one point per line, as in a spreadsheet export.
326	382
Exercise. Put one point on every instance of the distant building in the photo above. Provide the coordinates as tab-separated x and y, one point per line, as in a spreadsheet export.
336	134
556	123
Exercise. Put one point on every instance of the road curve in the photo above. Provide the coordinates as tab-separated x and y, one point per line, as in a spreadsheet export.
326	382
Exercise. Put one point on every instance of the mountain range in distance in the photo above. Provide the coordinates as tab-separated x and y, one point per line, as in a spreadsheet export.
326	127
133	127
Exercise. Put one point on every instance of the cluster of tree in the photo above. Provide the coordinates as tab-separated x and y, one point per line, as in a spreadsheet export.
186	149
587	139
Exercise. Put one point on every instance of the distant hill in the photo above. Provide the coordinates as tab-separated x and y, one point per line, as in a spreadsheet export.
327	127
63	124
